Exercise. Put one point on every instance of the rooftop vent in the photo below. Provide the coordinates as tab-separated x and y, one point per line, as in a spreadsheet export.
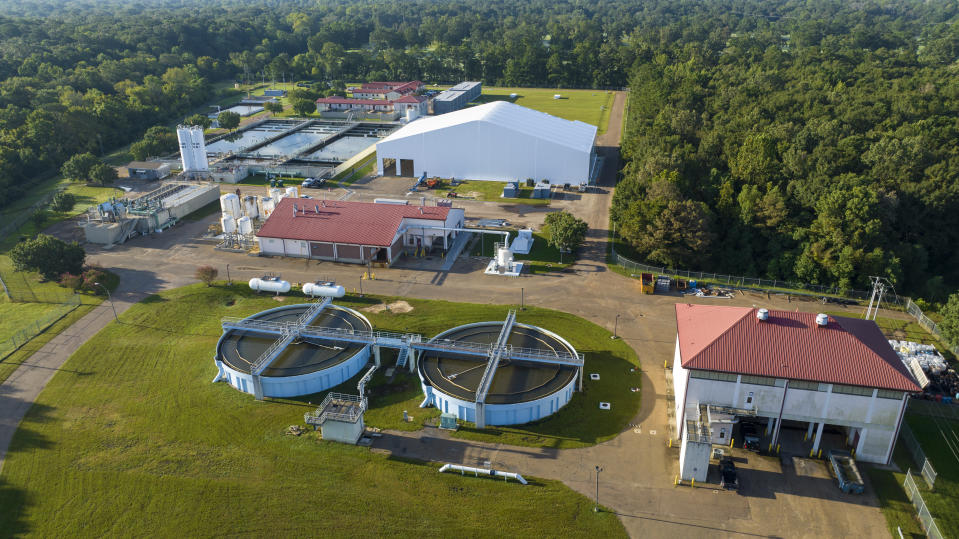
294	209
822	320
762	315
316	208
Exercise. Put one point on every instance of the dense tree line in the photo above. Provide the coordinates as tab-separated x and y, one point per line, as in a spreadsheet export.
821	147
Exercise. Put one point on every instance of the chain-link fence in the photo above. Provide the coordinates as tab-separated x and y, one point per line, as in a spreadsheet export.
23	216
925	517
918	455
21	287
737	281
928	324
38	326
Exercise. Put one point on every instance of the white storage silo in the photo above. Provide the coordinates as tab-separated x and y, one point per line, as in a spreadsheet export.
267	205
244	225
185	138
251	207
230	205
228	223
292	192
277	194
199	149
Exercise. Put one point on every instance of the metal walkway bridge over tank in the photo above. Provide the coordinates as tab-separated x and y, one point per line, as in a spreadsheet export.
407	343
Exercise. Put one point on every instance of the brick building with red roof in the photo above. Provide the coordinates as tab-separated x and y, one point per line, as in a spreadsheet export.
356	232
799	375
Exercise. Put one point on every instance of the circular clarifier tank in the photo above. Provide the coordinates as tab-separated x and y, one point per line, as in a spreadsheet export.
521	391
307	365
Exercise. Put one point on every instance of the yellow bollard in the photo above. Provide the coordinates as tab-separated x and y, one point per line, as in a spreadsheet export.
778	447
666	364
805	437
692	482
770	447
820	454
363	278
372	276
853	453
812	452
676	480
670	443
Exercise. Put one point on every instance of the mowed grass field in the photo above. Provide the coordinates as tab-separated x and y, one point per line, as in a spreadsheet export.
588	106
131	437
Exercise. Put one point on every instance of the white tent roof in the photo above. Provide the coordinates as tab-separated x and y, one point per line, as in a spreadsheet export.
572	134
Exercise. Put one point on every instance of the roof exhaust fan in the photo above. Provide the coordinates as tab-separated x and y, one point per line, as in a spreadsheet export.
762	315
822	320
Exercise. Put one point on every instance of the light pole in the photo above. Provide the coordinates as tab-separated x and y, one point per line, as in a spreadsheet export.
615	328
522	299
596	505
228	280
109	297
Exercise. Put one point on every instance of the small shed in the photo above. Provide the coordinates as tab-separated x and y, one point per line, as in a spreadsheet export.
511	190
147	170
542	190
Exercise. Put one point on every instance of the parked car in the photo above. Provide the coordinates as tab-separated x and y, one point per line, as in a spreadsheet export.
750	437
313	183
727	468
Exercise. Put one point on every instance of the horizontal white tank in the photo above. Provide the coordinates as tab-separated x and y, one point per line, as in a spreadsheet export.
228	223
397	201
230	204
244	225
251	207
292	192
268	285
333	291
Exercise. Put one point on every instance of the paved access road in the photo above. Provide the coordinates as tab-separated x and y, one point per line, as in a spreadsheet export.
638	467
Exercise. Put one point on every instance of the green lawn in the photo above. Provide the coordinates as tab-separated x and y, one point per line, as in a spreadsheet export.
896	507
14	360
491	191
542	258
15	317
588	106
132	435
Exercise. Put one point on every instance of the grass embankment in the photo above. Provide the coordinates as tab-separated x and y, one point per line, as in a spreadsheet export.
131	435
542	257
588	106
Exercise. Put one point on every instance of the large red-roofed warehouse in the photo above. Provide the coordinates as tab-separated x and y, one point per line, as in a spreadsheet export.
790	370
356	232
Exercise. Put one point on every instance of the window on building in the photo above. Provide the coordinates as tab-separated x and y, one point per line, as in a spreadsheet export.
852	390
758	380
722	434
806	385
713	375
889	394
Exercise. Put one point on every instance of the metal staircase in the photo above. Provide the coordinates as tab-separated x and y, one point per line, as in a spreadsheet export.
401	359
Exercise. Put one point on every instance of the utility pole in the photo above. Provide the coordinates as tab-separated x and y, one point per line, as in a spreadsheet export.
596	505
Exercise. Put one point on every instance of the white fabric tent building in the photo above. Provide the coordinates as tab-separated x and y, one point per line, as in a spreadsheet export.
497	141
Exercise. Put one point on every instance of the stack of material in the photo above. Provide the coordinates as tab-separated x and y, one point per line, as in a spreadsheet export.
924	354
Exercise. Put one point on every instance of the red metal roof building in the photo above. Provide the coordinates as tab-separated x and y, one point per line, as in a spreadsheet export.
790	369
355	232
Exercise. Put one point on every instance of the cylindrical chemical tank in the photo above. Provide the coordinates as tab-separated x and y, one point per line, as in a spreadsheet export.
185	139
291	191
267	205
228	223
250	205
230	205
268	285
244	225
503	256
411	114
333	291
277	194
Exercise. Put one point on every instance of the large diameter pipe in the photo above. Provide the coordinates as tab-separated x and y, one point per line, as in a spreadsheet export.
482	471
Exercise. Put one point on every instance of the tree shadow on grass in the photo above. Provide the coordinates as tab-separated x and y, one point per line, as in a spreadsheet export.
16	438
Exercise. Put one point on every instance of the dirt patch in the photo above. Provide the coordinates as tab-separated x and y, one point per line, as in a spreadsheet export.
395	307
279	298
